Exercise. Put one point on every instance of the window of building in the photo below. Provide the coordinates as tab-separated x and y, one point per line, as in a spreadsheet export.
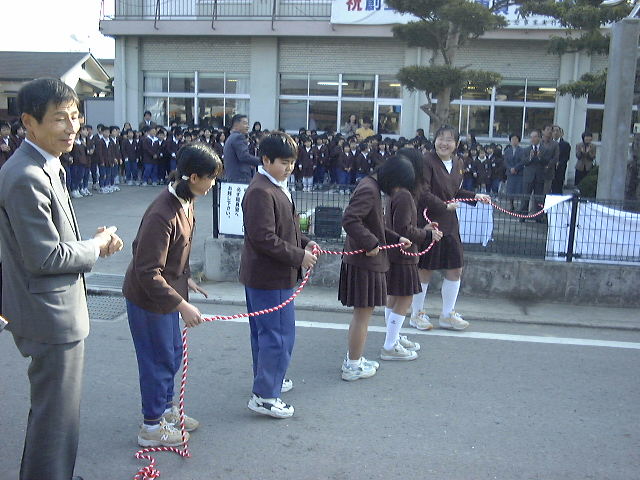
322	115
541	91
358	85
514	106
325	102
180	82
537	118
196	98
506	121
511	91
389	87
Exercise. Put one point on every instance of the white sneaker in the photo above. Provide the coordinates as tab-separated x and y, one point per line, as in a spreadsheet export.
287	385
408	344
104	190
273	407
76	194
130	183
398	352
87	193
453	322
115	188
356	372
421	321
365	361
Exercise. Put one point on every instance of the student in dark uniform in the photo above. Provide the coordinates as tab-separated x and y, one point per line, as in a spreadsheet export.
274	253
362	276
306	163
402	277
443	172
156	288
128	147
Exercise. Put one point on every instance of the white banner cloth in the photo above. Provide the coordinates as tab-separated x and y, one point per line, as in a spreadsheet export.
476	223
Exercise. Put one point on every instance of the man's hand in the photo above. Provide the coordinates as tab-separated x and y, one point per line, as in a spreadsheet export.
309	259
109	242
406	243
191	316
194	287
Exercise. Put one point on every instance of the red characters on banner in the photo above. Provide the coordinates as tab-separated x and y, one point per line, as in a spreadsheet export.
353	5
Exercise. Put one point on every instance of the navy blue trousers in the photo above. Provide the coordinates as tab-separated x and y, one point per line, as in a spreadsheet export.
272	339
158	342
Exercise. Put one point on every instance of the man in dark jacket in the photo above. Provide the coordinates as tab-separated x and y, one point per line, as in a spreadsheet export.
239	164
563	160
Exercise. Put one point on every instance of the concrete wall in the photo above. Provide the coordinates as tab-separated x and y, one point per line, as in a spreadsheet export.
484	275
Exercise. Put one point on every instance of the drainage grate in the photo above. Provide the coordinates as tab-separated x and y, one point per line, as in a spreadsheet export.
104	308
104	282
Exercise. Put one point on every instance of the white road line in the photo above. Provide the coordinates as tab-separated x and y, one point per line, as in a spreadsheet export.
582	342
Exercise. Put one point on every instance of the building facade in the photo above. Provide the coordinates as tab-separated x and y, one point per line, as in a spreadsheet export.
285	64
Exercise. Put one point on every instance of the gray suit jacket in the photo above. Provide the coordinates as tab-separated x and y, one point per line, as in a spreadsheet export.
238	162
43	262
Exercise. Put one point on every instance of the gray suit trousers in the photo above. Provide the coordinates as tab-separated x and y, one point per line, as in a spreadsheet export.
51	441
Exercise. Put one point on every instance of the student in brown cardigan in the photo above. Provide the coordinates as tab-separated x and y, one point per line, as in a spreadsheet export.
443	175
156	288
274	254
402	277
362	276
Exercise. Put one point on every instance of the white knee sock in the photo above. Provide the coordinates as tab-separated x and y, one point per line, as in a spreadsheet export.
417	303
449	296
387	312
393	330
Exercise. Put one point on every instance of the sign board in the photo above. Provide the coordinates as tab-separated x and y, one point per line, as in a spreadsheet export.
230	208
377	12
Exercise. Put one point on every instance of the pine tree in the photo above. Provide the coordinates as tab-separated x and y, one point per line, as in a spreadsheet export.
443	26
582	21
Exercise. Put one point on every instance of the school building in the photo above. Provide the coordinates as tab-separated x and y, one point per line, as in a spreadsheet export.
312	63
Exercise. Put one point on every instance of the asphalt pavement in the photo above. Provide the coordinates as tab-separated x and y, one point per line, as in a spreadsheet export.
529	391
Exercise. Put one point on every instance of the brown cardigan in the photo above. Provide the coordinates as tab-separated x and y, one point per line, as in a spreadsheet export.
364	224
400	216
156	279
439	186
273	243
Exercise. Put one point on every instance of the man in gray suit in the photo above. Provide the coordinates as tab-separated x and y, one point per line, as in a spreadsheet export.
43	266
239	164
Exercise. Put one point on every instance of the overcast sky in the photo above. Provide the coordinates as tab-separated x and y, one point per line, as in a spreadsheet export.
54	26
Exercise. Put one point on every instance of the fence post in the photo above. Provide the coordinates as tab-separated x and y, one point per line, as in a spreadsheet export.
216	207
572	224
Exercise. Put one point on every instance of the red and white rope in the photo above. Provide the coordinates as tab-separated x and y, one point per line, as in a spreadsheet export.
150	471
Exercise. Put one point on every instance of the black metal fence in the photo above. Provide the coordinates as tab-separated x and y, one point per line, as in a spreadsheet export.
578	229
221	9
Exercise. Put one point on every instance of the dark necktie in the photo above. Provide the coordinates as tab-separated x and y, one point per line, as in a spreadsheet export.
62	178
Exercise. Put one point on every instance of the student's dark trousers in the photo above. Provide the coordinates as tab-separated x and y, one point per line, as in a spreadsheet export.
158	343
51	440
272	339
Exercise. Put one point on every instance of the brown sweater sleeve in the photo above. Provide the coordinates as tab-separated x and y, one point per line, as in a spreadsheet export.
402	218
149	263
360	205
